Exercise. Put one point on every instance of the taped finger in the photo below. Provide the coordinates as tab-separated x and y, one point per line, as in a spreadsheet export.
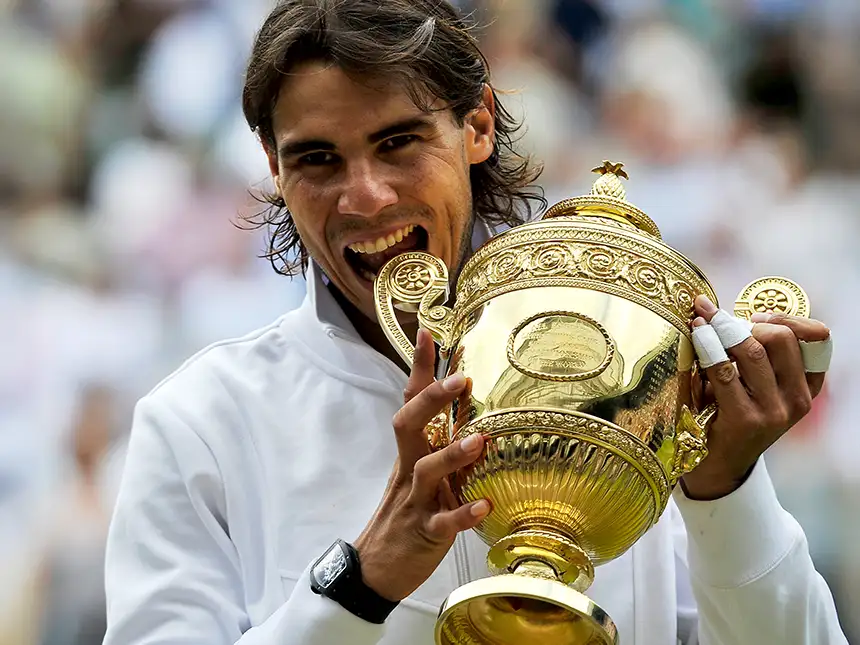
817	355
708	346
732	331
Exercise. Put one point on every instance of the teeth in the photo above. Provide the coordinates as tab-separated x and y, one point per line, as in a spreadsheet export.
382	243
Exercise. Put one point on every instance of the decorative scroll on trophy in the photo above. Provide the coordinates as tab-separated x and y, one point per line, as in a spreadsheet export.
574	335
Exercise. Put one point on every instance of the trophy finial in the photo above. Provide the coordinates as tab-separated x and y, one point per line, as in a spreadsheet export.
609	183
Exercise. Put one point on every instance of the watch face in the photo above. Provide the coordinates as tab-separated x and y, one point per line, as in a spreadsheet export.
330	566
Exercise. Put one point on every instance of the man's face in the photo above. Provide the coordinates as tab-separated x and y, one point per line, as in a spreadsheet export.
367	175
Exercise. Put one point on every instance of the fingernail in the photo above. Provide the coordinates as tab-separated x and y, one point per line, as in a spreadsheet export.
698	322
454	382
760	317
706	305
470	444
480	508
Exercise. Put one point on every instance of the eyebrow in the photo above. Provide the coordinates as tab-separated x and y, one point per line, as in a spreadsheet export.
402	127
295	148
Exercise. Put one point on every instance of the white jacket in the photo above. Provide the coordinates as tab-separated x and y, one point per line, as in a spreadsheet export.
250	460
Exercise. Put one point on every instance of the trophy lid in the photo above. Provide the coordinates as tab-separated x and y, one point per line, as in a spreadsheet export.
607	200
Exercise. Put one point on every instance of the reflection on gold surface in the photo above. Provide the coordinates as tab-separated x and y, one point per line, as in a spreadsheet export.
560	346
557	346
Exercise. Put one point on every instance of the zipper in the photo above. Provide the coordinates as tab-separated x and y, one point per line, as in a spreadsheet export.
461	560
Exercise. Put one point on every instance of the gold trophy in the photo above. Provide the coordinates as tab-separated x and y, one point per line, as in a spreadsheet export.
574	335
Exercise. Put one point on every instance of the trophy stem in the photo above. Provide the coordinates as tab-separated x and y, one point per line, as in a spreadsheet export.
535	569
537	597
543	553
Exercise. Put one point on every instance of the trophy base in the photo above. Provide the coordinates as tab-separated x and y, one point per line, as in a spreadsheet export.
517	609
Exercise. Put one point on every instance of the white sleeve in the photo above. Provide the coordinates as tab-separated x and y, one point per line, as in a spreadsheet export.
173	576
752	576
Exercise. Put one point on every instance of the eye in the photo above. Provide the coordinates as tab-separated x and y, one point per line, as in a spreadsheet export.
318	159
398	142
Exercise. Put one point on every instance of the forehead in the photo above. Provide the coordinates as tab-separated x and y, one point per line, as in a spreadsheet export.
320	100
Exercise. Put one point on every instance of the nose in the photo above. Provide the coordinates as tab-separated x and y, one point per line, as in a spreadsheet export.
366	191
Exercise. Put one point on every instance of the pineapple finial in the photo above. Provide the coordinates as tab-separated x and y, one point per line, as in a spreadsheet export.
609	183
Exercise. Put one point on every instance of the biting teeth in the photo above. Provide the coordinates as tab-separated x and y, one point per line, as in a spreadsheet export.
382	243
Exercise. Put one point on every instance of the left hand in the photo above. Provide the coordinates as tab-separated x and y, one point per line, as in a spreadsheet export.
759	401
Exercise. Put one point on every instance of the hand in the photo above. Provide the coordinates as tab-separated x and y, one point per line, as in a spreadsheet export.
759	401
416	522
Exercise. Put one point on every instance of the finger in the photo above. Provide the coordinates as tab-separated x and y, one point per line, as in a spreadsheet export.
750	355
707	344
423	365
411	420
815	382
705	308
699	389
447	524
722	375
446	495
708	396
804	328
757	372
732	330
784	355
433	468
816	345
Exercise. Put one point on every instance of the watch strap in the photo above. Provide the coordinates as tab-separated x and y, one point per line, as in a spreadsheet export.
350	591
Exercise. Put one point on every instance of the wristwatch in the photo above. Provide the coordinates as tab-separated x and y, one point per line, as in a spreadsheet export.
337	575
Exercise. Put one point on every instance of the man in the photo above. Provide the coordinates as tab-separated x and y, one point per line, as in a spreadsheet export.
384	135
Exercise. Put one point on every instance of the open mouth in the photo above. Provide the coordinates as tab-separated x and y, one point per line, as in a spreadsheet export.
367	258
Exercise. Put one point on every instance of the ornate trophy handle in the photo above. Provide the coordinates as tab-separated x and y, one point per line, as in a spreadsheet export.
414	282
765	295
691	445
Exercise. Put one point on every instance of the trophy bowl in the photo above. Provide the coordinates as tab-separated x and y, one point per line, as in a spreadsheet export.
574	335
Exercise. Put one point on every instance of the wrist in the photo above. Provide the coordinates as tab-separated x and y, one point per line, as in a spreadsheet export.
337	576
375	574
710	482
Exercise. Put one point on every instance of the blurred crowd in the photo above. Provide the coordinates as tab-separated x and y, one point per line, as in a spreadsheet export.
125	165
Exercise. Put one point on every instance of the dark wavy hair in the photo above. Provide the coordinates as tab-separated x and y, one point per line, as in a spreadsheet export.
428	48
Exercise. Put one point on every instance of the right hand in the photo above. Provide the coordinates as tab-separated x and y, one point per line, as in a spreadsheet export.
419	517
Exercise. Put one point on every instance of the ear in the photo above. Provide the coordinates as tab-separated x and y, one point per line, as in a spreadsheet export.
481	129
274	169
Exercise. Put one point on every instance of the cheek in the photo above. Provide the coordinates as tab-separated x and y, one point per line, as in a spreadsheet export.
442	182
309	203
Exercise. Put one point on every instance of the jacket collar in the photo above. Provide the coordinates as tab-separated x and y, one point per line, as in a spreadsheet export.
322	304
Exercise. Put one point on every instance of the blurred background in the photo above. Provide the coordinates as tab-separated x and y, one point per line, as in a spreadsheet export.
125	163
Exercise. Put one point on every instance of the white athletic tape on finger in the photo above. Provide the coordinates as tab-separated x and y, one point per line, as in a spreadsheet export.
817	355
708	346
731	329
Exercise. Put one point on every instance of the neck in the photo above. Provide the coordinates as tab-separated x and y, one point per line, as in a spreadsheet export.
370	331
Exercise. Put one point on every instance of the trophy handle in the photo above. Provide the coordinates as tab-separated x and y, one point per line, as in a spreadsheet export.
413	282
691	441
772	294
